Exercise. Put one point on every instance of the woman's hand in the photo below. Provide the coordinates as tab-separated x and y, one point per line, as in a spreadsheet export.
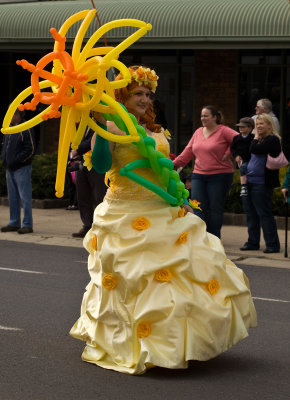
226	157
74	154
187	208
239	161
93	141
285	193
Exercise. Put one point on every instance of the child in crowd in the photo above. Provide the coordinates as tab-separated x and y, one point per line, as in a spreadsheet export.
240	149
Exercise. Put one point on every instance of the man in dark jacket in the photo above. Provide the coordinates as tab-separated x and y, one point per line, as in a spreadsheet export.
90	186
17	152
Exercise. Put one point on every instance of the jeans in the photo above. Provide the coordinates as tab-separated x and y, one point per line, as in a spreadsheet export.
258	207
243	168
20	191
211	191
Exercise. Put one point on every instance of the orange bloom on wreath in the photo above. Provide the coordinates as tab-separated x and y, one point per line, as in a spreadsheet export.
182	238
141	223
194	204
95	242
109	281
143	329
163	275
141	73
213	286
181	213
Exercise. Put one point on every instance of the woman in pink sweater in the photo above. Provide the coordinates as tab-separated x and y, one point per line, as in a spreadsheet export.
213	168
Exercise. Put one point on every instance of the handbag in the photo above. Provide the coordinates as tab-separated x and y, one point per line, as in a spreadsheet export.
276	162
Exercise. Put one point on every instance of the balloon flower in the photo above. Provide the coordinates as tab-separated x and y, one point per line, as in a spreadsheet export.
78	86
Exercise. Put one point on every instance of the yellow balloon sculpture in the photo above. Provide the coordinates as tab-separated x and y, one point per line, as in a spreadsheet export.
78	83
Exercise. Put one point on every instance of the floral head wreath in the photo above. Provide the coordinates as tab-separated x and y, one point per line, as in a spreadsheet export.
145	76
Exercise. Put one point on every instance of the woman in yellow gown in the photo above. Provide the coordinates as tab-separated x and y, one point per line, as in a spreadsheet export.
162	290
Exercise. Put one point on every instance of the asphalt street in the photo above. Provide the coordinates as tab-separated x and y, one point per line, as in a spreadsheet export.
41	288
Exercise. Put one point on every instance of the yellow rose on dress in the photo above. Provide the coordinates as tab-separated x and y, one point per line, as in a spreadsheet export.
109	281
182	238
163	275
95	242
88	160
181	213
194	204
143	329
141	223
213	286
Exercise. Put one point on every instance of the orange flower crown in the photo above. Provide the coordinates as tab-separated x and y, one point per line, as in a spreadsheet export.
145	76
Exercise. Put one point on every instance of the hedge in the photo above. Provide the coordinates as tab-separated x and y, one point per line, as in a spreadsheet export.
234	204
44	172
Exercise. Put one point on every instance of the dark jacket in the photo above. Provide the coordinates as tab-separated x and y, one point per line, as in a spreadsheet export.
241	146
270	145
18	149
85	144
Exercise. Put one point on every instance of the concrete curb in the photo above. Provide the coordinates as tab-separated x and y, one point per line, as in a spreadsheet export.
41	203
241	220
229	218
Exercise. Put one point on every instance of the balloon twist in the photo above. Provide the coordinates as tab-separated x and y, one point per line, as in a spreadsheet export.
173	190
77	83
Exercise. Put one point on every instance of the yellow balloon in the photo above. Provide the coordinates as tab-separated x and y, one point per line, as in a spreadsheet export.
63	154
80	35
63	31
111	25
82	86
7	129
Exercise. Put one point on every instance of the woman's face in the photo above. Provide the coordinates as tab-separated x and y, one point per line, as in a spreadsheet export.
263	128
207	119
138	100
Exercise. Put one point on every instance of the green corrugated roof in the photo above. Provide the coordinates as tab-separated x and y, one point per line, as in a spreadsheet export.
187	23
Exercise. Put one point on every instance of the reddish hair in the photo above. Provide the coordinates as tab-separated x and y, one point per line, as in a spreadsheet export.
123	94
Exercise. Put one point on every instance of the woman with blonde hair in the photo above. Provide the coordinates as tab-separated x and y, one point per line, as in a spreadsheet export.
261	182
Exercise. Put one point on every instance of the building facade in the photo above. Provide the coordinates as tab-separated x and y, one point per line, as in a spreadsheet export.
219	52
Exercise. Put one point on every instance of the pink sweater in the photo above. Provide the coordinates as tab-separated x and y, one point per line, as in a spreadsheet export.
209	152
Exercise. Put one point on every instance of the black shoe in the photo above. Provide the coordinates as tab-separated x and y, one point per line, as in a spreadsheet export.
81	234
249	247
24	230
9	228
271	250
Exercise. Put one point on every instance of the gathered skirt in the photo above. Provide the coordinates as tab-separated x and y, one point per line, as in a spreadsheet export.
162	291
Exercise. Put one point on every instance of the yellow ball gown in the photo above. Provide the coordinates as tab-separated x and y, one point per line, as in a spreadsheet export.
162	290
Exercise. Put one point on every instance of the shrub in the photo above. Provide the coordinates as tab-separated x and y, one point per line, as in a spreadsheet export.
234	203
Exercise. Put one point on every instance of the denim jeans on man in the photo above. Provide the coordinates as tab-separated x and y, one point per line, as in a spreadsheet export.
258	207
211	191
20	191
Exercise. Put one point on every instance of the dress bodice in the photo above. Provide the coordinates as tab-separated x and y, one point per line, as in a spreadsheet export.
123	188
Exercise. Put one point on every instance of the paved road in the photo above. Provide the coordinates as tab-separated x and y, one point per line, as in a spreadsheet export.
40	293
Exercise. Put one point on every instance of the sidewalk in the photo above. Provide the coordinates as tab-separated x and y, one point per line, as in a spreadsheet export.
55	226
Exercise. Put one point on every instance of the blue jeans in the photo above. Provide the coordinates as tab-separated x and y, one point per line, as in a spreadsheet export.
20	191
258	207
243	168
211	191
